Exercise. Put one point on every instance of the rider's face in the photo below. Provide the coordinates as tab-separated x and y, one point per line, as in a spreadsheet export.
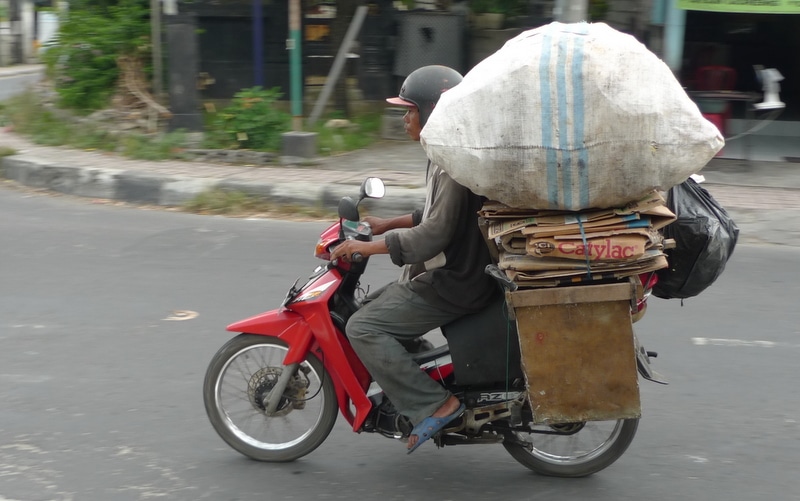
411	120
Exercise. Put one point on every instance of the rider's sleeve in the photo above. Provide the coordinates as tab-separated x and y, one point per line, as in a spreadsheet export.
429	239
416	217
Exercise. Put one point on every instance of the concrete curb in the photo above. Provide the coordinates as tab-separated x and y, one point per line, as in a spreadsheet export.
16	71
173	190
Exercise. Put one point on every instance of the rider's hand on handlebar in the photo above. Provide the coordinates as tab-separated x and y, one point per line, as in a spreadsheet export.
379	225
346	249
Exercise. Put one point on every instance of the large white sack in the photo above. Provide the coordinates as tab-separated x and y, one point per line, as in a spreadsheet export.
569	116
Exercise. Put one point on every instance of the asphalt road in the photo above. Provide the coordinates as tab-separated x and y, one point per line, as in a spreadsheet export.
12	85
101	370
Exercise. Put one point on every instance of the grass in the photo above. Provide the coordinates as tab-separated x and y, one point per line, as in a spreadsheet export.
362	131
167	146
27	116
5	151
238	203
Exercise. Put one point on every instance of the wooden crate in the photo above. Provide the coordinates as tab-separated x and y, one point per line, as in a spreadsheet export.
578	352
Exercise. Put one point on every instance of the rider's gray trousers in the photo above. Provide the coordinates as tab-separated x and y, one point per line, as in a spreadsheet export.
375	332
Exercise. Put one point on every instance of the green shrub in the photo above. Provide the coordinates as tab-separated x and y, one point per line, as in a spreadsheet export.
251	121
90	40
598	9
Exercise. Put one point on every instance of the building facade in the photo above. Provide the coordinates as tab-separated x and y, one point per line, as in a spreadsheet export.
393	40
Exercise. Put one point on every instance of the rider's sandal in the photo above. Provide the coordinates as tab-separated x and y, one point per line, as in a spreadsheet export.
430	426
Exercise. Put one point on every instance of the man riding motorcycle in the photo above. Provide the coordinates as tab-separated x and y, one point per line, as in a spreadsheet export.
443	253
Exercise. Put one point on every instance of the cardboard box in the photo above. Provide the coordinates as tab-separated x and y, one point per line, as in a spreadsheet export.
577	351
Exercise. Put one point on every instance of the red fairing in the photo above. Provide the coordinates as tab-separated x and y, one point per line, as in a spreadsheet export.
350	376
328	237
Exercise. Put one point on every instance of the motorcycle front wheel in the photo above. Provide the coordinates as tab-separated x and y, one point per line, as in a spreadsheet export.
574	449
237	382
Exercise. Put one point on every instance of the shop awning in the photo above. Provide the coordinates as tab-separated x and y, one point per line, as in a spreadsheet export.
743	6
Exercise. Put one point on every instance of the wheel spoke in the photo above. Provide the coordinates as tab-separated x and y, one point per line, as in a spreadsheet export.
574	450
240	387
590	441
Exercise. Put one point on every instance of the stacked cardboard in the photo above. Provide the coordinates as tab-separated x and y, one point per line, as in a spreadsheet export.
537	248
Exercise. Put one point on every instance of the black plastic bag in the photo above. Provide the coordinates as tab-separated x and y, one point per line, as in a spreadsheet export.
705	236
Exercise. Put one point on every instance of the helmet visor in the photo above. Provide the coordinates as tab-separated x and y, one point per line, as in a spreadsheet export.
399	101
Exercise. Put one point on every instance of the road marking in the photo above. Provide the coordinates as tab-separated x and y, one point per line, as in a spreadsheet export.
705	341
179	315
23	448
25	378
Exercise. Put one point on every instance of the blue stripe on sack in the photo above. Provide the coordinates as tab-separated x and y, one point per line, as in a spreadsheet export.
547	120
563	120
578	135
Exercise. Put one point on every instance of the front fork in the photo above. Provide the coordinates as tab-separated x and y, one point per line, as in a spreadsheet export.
275	394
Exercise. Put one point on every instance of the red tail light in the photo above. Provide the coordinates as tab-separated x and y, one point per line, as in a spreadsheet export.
649	280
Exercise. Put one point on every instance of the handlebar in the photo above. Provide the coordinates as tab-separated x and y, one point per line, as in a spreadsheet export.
352	230
355	257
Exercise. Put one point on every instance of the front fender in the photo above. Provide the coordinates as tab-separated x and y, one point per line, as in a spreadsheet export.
350	377
283	324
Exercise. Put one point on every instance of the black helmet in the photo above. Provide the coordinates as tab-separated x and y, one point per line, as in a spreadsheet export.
423	87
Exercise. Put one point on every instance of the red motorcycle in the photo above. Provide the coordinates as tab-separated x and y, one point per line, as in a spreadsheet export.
274	391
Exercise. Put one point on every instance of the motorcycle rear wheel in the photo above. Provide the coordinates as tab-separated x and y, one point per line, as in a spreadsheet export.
593	446
237	382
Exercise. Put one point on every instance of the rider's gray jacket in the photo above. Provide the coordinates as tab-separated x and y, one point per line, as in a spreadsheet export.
444	254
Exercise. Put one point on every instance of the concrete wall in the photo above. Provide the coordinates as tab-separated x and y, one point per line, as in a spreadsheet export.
16	32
